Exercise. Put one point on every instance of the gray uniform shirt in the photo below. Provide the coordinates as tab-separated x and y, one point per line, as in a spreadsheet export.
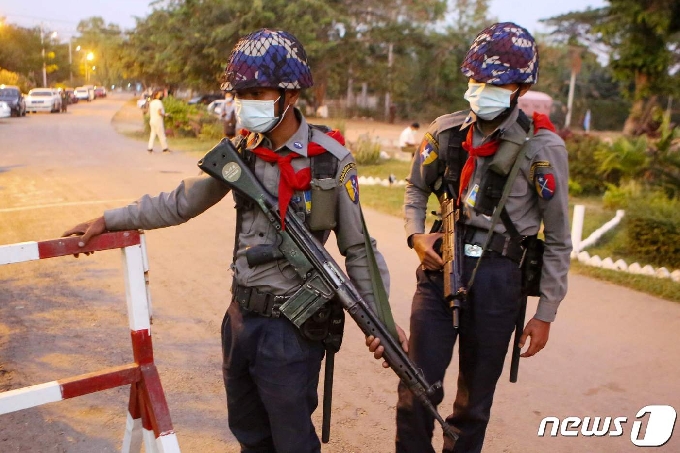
194	195
539	194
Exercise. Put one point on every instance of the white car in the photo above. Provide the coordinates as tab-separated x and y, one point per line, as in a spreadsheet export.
43	100
5	111
84	94
215	107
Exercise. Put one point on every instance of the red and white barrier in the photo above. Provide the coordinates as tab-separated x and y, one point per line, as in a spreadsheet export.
148	418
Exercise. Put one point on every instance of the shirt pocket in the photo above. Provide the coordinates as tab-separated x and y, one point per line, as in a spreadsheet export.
520	187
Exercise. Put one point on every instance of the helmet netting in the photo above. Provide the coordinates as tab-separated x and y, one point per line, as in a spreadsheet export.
268	58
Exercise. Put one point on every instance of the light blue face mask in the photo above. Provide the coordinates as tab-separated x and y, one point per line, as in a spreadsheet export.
487	101
257	116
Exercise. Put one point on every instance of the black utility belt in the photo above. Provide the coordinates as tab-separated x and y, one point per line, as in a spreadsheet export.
258	302
500	244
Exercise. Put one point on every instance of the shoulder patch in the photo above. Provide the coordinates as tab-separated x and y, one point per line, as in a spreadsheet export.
429	149
346	169
545	185
352	187
540	164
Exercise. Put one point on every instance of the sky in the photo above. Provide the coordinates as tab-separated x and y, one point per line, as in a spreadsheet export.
63	16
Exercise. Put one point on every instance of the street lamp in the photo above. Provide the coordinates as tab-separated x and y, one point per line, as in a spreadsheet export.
89	57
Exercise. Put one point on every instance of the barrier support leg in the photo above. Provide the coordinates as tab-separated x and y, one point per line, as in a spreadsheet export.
132	440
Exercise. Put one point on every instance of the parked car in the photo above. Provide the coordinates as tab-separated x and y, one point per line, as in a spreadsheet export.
43	99
84	94
215	108
206	99
144	101
5	111
14	98
99	92
71	93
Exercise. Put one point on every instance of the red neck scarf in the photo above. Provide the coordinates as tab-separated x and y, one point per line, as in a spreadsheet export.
289	180
540	120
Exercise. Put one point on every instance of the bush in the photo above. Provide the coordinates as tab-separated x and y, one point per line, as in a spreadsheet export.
653	229
182	118
624	161
575	188
583	166
366	150
212	130
619	197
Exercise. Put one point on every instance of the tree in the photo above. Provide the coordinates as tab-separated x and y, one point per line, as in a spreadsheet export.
640	37
20	51
104	42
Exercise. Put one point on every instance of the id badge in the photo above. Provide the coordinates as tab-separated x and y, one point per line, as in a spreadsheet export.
308	201
471	198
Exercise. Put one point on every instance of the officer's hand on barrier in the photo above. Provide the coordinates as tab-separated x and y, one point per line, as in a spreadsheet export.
87	230
539	331
373	344
422	244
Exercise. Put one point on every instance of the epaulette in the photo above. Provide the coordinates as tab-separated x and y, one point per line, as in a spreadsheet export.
328	143
449	121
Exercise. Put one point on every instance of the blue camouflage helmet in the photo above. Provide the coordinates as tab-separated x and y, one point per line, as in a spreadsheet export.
268	59
502	53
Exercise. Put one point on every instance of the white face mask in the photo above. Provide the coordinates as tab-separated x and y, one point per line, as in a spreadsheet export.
257	116
487	101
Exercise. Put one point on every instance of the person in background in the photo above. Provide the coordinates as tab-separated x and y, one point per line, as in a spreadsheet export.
229	116
407	140
156	117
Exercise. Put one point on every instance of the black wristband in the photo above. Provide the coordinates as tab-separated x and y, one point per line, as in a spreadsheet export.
409	241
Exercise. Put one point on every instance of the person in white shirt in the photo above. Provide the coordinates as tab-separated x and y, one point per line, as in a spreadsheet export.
156	115
407	139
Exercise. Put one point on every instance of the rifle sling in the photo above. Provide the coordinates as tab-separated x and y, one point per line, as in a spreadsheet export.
382	303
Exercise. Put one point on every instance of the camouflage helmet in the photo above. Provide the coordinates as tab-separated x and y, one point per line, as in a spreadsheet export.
502	53
268	59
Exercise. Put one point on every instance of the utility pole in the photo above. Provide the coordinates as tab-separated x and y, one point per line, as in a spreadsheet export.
42	44
575	69
388	95
70	60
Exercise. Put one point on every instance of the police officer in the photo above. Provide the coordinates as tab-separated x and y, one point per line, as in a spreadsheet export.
457	155
270	368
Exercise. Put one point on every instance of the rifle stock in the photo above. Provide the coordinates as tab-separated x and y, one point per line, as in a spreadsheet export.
323	278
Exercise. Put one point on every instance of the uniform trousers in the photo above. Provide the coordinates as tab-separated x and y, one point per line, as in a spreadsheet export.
487	320
270	374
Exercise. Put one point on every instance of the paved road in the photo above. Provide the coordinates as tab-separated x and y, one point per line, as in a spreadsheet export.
612	350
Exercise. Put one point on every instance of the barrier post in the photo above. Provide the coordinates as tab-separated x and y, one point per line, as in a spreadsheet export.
148	418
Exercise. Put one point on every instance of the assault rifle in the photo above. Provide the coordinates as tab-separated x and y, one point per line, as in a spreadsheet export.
452	249
323	278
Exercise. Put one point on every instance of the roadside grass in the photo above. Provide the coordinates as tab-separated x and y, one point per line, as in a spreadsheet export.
390	200
193	146
660	287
